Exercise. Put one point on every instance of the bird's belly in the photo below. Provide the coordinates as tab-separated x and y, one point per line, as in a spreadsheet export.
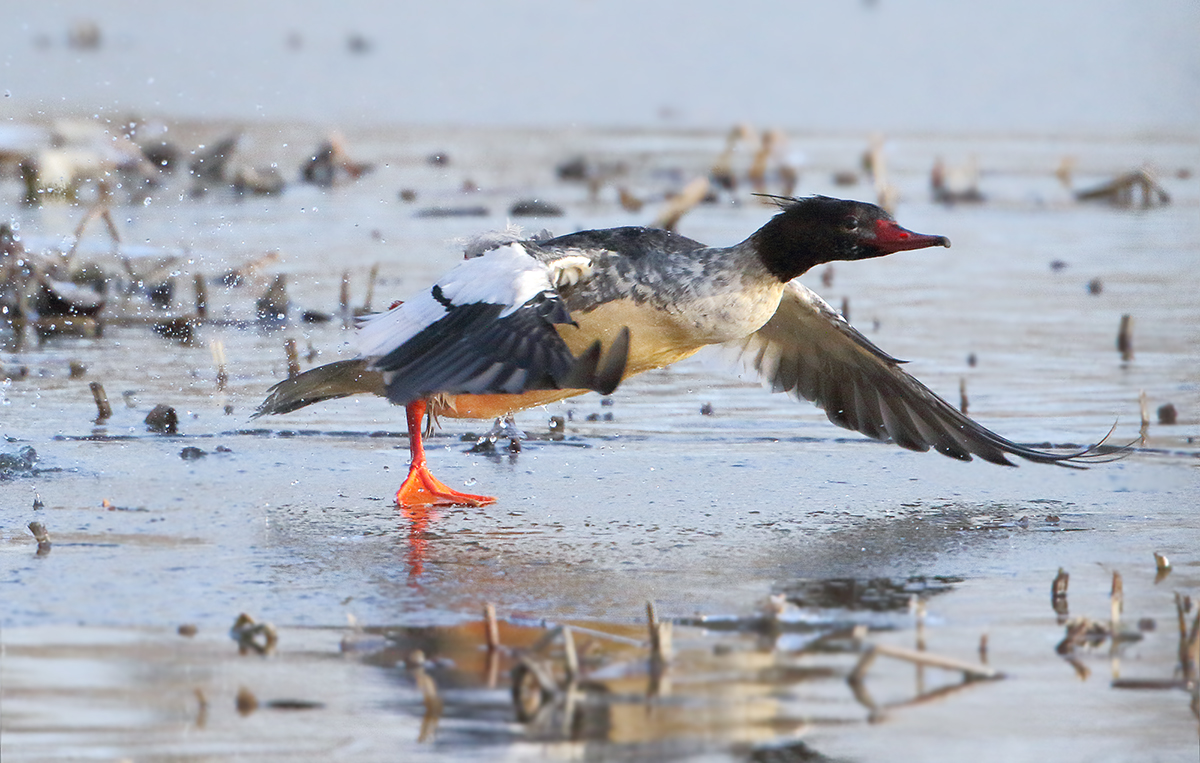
657	338
495	406
660	337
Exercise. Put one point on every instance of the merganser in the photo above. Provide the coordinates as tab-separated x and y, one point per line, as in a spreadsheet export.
522	323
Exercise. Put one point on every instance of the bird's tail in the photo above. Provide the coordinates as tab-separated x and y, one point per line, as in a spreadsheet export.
594	369
327	382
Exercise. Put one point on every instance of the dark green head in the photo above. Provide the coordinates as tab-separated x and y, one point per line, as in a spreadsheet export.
817	229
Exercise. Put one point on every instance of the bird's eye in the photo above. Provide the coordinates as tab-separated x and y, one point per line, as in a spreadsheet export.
850	224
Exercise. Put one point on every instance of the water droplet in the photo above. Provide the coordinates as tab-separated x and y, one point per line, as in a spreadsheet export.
146	202
471	482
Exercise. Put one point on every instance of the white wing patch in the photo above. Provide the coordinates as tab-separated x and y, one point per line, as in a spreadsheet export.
505	276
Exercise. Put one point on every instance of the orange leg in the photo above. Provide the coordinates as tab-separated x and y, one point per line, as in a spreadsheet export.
421	488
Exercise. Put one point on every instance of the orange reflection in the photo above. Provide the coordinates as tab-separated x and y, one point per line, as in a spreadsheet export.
419	518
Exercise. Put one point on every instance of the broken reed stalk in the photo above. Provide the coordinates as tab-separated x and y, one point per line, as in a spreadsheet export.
613	637
660	636
41	536
99	209
1125	338
1116	603
919	611
103	409
1189	642
371	288
533	686
253	636
217	347
918	608
344	300
1182	604
1194	652
1058	592
1163	566
201	707
293	358
201	296
570	656
689	196
429	693
920	658
111	226
491	629
884	192
425	682
1144	406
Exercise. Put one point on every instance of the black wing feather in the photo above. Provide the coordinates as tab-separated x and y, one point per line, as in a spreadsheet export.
810	351
473	350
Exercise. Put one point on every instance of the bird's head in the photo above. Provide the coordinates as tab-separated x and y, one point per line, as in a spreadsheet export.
814	230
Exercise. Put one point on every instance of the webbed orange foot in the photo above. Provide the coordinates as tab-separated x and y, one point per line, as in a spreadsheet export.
421	488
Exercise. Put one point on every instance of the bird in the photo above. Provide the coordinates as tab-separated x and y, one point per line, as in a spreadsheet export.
523	322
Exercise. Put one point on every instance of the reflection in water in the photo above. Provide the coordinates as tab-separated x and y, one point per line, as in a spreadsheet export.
872	594
418	522
740	691
598	683
1084	635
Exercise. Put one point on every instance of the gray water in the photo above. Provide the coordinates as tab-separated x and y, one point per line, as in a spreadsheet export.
291	519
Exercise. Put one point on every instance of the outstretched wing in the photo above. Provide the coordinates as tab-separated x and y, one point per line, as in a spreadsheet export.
487	327
810	351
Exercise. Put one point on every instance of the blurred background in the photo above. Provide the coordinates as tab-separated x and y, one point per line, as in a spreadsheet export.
1091	66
